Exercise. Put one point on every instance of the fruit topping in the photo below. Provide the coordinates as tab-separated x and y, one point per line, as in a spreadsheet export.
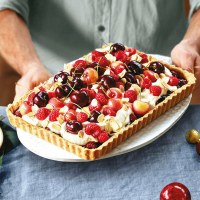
56	103
192	136
103	136
102	61
95	105
80	63
173	81
145	83
114	93
108	81
73	127
90	76
182	82
53	115
96	54
121	56
77	72
109	111
18	113
80	98
31	96
131	95
94	116
130	77
130	51
70	115
81	117
61	77
155	90
157	67
140	108
135	67
150	74
91	145
42	113
25	108
116	104
101	98
60	92
175	191
92	129
41	99
117	47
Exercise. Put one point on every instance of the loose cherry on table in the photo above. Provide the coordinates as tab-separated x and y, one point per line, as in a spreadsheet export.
175	191
41	99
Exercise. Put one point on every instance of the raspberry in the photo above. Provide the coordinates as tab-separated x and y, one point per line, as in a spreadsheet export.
155	90
146	83
103	136
119	83
80	63
42	113
95	105
102	61
92	129
101	98
121	56
144	58
42	89
91	145
53	115
131	94
130	51
109	111
173	81
96	54
18	113
81	117
71	105
150	74
31	96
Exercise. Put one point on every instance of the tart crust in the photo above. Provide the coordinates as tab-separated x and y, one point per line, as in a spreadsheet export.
117	138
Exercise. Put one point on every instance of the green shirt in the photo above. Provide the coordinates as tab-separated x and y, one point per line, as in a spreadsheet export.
63	30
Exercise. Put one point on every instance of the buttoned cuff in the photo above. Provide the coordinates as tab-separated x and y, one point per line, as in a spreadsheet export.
19	6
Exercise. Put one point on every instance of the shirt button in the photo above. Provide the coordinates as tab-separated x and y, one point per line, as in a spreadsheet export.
101	28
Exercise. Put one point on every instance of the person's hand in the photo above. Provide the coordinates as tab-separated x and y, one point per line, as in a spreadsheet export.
186	55
33	77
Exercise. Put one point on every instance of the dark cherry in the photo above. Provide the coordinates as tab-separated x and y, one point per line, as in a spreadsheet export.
198	148
94	116
175	191
60	92
77	83
108	81
157	67
63	76
181	82
67	89
135	67
117	47
130	77
127	85
73	127
80	97
174	73
162	98
41	99
77	72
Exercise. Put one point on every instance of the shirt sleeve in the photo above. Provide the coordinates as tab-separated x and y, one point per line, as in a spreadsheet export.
194	5
21	7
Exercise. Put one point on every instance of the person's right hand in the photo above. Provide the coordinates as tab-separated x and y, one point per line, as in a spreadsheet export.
33	77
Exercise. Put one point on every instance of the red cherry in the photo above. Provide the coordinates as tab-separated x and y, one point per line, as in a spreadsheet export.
80	63
146	83
175	191
80	97
96	54
102	61
130	51
150	74
121	56
90	76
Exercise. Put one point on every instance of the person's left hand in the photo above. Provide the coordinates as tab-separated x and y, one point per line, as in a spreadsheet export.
186	55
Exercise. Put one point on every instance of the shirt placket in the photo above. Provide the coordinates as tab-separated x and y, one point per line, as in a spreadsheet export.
102	22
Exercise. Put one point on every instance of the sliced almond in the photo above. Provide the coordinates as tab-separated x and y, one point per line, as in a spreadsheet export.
56	127
80	134
49	106
100	118
61	119
44	123
31	114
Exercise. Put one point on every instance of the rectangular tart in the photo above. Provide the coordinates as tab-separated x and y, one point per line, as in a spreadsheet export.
100	100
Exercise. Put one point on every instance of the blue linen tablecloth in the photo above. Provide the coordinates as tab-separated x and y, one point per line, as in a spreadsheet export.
138	175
